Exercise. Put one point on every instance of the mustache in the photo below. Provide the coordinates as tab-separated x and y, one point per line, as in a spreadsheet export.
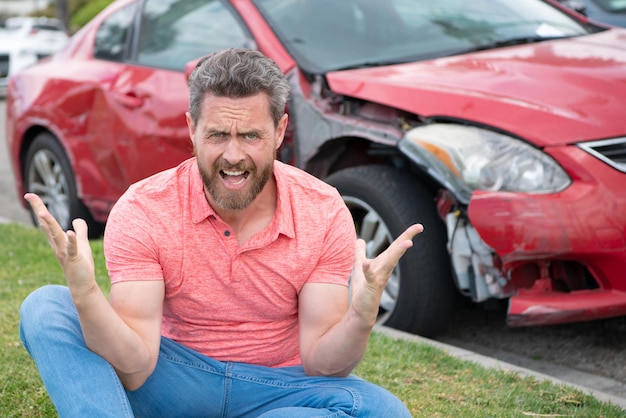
225	165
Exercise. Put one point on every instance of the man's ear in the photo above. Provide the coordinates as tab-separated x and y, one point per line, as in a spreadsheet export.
191	126
280	130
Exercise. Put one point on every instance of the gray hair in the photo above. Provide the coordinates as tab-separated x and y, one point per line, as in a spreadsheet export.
238	73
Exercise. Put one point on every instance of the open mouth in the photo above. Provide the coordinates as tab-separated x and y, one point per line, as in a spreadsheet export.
234	177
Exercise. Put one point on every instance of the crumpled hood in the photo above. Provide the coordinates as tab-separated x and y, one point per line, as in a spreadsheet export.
550	93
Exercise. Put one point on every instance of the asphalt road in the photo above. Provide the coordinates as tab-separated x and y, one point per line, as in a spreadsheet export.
588	355
10	209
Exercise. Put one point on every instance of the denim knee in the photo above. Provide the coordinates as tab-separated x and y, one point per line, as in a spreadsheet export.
42	301
48	307
377	401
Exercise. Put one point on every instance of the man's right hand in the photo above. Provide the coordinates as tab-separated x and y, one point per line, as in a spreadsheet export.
71	248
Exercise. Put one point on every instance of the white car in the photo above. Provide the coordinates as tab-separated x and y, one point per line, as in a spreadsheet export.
25	40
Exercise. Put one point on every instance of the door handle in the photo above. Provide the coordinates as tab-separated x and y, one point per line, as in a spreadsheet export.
129	100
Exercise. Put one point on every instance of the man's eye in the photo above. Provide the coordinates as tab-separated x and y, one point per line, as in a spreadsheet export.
216	137
251	137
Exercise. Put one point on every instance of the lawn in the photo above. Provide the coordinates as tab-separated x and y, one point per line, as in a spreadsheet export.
429	381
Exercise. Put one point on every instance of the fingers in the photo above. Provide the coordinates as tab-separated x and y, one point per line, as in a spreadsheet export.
77	237
410	233
359	252
405	241
80	226
39	208
381	267
35	203
48	224
51	227
360	260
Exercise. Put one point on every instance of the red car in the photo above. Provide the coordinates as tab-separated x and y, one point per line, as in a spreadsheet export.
500	125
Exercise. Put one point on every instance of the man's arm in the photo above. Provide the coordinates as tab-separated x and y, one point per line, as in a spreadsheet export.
125	330
333	332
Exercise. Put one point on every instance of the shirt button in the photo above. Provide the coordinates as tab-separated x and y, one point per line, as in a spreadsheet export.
227	233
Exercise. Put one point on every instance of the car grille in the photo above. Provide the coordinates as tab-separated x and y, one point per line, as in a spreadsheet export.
4	65
611	151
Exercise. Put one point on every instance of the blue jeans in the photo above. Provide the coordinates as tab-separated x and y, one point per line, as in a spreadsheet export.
185	383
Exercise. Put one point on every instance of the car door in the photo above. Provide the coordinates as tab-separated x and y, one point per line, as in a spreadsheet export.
152	93
110	116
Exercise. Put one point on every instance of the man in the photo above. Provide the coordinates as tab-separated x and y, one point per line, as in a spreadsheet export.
229	276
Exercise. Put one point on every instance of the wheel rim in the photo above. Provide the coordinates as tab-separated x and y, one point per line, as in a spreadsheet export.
372	229
47	179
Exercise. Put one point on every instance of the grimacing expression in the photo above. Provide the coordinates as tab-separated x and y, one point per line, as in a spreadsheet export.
234	200
235	142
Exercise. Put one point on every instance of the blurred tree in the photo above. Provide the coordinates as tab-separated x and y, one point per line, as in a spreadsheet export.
87	11
79	12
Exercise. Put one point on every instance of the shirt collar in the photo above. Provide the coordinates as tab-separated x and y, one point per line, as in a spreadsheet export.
284	209
200	208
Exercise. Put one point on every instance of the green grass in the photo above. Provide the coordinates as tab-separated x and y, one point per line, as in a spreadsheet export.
429	381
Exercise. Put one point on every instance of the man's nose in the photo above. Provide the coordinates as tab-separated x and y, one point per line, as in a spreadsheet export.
233	150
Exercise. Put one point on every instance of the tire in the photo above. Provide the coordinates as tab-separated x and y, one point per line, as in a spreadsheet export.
47	172
384	201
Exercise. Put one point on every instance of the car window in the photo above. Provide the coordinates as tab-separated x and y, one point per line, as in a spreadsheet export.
112	35
174	32
48	27
15	23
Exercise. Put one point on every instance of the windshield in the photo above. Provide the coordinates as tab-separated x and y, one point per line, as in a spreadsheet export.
326	35
614	6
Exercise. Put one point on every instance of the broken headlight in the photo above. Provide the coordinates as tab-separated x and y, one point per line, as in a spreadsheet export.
469	158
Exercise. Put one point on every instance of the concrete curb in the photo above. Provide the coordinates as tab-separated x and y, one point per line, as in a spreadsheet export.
603	389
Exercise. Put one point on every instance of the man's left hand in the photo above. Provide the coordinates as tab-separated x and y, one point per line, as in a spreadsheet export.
370	276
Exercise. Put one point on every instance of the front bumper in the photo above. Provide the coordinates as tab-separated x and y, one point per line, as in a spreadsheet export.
584	224
549	308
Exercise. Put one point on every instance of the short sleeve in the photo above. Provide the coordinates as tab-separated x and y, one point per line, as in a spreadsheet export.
129	244
337	257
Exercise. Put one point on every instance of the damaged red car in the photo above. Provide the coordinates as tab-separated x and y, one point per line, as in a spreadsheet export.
500	125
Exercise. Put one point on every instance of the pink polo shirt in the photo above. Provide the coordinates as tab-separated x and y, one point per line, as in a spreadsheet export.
229	302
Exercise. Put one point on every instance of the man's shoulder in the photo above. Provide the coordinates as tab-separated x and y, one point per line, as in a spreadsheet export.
310	201
298	179
166	182
152	204
157	194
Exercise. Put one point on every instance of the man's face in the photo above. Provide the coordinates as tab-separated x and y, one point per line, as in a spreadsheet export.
235	142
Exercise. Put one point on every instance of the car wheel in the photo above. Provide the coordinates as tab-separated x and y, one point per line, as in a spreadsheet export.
384	201
47	172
